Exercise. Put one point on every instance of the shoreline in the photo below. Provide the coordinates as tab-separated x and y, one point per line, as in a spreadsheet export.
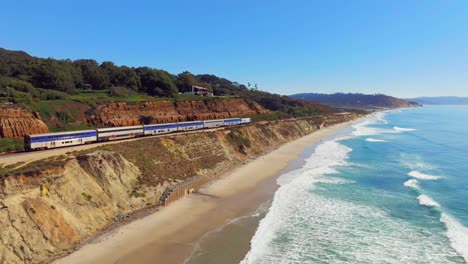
171	234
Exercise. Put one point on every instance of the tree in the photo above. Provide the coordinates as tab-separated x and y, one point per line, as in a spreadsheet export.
156	82
185	81
121	76
52	74
93	74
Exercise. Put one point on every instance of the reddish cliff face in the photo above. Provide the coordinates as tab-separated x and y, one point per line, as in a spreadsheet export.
16	122
123	114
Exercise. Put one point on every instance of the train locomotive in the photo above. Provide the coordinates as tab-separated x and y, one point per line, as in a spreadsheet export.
74	138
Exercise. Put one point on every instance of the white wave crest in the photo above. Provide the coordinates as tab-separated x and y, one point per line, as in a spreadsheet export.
457	234
413	183
427	201
402	129
321	162
362	129
423	176
375	140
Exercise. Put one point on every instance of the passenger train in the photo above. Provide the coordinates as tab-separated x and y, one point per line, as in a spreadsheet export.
65	139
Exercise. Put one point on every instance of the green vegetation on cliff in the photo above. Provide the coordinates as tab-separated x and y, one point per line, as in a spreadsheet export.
26	80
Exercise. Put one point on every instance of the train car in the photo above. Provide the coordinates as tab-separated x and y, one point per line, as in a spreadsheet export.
213	123
246	120
159	129
193	125
232	121
60	139
116	133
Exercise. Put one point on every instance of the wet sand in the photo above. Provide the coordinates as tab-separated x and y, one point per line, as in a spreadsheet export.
173	234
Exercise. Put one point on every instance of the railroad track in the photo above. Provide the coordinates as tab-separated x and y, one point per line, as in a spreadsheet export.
25	156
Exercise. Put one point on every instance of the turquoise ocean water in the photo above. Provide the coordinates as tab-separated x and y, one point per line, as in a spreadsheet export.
391	189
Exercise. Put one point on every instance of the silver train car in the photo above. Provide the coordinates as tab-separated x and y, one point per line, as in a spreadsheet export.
116	133
57	140
74	138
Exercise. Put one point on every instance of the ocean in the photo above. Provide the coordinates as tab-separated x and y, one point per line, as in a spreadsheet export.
390	189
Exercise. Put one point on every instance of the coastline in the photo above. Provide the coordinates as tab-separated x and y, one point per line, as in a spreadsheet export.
171	234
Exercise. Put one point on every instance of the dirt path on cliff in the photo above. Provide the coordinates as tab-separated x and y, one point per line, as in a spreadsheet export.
27	157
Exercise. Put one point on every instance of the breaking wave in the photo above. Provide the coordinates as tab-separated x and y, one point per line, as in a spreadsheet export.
423	176
427	201
413	183
456	232
403	129
375	140
363	128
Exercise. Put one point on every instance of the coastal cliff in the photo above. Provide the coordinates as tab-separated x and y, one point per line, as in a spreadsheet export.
49	206
17	122
164	111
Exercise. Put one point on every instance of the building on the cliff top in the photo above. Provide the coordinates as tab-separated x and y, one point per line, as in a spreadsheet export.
198	90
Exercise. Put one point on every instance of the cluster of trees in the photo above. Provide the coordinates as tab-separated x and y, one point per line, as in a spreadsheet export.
18	69
33	75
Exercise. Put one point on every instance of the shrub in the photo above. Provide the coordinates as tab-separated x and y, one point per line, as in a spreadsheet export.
87	196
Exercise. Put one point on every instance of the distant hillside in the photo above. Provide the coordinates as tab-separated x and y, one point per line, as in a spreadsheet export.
355	100
441	100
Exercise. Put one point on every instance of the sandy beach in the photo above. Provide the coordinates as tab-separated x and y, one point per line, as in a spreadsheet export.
170	235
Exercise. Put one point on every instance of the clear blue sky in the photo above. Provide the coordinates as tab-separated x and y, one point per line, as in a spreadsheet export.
402	48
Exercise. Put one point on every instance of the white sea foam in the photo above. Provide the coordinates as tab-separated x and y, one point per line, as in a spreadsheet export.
375	140
415	162
423	176
380	117
427	201
413	183
303	226
325	157
334	180
457	234
402	129
363	129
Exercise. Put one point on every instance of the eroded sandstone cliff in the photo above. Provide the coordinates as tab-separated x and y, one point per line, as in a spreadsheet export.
47	207
17	122
124	114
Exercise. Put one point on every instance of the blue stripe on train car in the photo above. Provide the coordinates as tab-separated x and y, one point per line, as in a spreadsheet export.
146	128
190	124
232	120
38	139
